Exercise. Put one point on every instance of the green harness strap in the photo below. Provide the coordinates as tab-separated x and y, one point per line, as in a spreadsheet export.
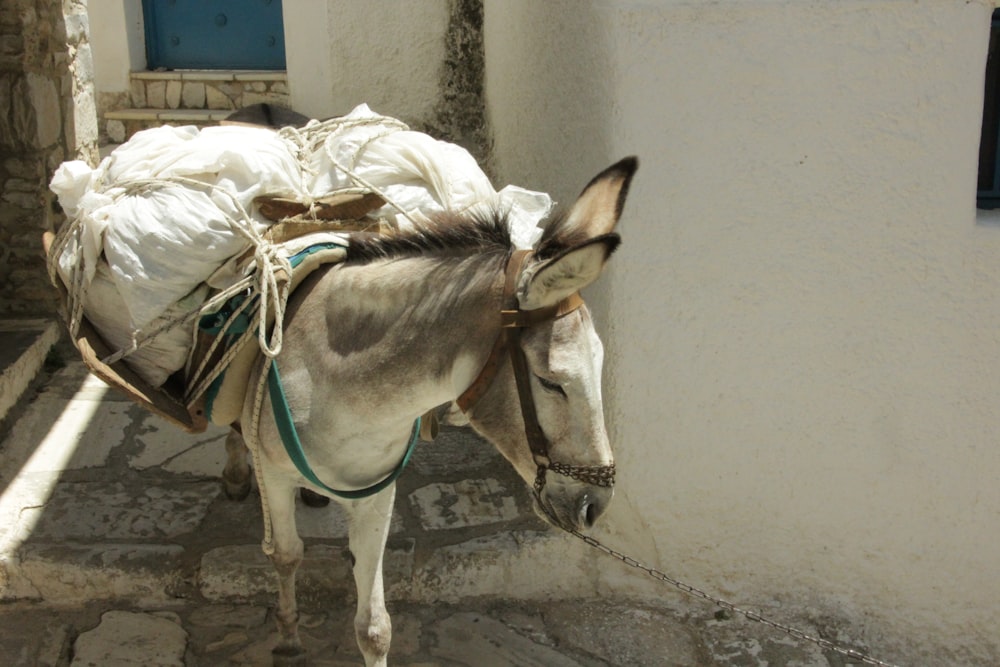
293	446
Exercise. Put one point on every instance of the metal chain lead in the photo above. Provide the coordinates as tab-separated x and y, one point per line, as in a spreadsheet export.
856	656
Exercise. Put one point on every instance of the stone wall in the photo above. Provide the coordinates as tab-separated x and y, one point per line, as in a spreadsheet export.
154	97
46	116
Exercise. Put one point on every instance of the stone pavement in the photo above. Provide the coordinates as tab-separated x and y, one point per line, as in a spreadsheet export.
117	547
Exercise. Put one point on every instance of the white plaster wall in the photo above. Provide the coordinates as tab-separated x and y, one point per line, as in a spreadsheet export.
803	323
116	31
387	54
308	58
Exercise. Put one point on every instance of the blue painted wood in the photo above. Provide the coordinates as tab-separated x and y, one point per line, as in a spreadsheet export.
214	34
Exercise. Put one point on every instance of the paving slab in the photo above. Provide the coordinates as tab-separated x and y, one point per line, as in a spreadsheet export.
57	433
469	502
331	521
160	444
116	511
75	573
129	639
241	572
455	449
477	640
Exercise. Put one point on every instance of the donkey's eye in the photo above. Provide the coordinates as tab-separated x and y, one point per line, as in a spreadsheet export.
551	386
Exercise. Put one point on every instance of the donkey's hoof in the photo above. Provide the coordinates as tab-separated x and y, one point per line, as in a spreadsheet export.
288	656
237	490
313	499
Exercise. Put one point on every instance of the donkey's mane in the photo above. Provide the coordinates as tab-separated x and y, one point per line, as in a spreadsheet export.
448	233
459	233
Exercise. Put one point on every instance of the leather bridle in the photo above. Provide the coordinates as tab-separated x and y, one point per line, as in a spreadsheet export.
508	342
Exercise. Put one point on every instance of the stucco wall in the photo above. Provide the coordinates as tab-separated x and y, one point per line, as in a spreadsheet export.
404	59
803	323
387	54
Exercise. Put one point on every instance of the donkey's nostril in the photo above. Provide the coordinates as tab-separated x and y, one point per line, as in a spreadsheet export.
590	509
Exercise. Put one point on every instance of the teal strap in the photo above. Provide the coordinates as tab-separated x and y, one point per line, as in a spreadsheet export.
293	446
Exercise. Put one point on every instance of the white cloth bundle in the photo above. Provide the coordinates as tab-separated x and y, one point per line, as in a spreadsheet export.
164	211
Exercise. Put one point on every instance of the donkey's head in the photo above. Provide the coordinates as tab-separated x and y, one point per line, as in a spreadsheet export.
544	409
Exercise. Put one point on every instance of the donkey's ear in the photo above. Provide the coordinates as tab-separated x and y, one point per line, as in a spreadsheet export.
597	209
587	231
551	281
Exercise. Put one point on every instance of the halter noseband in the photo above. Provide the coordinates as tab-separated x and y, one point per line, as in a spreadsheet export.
512	321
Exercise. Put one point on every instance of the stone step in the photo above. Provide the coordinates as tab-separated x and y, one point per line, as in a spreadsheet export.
198	97
24	344
121	124
203	116
207	89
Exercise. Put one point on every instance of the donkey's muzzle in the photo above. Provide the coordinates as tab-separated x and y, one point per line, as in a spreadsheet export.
573	507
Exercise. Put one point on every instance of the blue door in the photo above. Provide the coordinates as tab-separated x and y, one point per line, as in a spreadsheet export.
214	34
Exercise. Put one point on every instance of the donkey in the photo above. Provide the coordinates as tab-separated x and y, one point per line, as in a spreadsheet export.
419	319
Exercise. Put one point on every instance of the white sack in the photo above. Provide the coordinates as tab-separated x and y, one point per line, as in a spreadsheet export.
167	353
163	237
420	174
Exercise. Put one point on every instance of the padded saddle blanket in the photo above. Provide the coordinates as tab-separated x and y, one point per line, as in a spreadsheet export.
223	404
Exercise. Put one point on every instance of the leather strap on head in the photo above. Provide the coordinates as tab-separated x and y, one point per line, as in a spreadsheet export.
512	317
508	341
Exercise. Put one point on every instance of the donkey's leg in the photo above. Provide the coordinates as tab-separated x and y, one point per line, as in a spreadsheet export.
369	529
236	474
287	555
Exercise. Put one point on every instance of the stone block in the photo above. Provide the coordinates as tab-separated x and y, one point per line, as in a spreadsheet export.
116	131
137	93
228	616
69	573
23	167
217	99
193	95
331	522
20	185
43	97
17	118
165	446
243	572
471	502
11	45
25	345
65	435
39	639
156	94
493	643
77	27
112	511
130	638
25	200
173	94
233	89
